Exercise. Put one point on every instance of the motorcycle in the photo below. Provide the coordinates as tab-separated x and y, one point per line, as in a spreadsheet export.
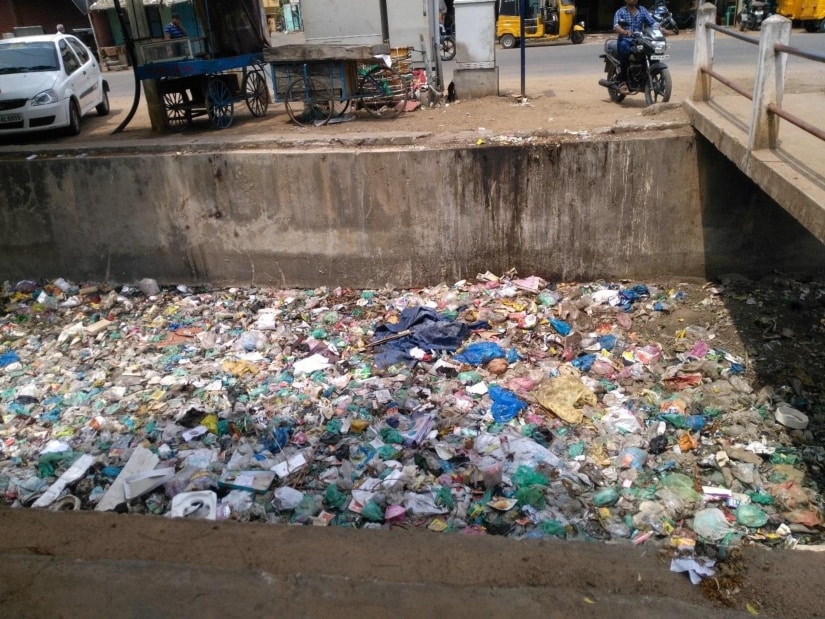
646	71
665	18
752	15
446	44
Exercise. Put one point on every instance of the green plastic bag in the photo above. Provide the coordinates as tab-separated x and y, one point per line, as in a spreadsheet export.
308	507
553	527
751	516
532	495
334	498
391	435
444	498
372	512
525	476
605	496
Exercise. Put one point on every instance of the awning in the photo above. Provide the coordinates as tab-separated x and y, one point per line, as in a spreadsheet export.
105	5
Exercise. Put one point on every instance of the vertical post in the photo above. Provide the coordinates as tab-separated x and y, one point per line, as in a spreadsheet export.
522	9
769	83
385	23
703	51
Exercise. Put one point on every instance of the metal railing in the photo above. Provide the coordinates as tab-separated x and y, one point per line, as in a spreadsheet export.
769	82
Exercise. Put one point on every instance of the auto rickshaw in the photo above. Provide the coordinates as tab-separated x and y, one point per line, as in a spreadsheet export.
546	20
810	12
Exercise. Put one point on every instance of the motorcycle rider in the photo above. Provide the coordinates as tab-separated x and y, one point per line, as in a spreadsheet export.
637	17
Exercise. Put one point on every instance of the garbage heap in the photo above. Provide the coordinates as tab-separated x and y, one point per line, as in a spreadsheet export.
501	405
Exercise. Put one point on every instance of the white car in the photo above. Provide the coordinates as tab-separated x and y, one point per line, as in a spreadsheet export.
48	81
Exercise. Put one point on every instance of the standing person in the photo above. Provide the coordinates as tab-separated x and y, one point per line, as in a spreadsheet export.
174	29
61	29
636	17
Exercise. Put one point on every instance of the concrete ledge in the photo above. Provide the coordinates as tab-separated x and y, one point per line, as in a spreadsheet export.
793	175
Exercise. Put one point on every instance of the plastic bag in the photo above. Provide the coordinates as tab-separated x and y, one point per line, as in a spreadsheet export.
525	476
561	394
605	496
480	353
372	512
307	508
532	495
506	404
711	524
561	327
553	527
632	458
751	516
334	498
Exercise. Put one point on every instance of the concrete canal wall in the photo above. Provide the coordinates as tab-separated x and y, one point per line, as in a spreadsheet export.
658	204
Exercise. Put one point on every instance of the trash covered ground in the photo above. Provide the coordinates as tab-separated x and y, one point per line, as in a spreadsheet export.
684	416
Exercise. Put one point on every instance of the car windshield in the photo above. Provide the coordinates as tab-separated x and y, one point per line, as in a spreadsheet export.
26	57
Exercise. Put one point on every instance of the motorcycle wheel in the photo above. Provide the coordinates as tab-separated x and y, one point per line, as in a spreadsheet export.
673	27
447	48
662	86
615	95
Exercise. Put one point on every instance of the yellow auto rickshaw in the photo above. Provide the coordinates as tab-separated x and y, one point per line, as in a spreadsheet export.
546	20
810	12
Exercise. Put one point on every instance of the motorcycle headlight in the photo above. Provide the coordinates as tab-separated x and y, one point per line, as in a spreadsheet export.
45	97
659	48
639	49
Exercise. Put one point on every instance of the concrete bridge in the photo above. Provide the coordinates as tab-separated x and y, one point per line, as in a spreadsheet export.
769	135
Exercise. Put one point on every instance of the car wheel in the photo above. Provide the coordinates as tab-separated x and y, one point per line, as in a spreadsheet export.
74	119
103	107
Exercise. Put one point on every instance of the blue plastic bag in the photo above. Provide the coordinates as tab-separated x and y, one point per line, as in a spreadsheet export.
505	404
480	353
561	327
583	363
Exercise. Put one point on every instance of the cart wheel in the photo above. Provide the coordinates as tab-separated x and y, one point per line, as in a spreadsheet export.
309	102
254	89
382	92
219	103
177	114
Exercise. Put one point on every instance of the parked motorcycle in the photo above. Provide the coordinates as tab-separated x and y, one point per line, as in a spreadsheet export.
752	15
646	71
665	18
446	44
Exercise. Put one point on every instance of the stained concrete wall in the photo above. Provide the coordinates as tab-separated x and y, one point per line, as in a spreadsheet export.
365	217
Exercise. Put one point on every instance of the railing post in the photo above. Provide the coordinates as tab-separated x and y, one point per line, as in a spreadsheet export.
703	51
769	83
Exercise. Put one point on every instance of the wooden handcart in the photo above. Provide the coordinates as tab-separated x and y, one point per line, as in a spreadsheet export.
318	82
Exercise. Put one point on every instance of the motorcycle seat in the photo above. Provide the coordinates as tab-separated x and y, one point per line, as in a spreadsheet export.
611	46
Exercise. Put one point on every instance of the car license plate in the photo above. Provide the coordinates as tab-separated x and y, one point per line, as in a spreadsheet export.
659	56
10	118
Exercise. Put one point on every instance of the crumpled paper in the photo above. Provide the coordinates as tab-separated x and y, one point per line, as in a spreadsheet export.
696	567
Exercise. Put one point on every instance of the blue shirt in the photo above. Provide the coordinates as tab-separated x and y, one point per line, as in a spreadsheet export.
173	31
637	22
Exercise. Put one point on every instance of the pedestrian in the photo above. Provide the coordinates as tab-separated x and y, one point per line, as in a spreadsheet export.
634	17
174	29
61	29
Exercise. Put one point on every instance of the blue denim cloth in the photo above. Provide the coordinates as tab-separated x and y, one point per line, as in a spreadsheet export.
623	47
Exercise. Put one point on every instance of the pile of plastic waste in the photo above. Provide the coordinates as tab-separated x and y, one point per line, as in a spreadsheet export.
502	405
